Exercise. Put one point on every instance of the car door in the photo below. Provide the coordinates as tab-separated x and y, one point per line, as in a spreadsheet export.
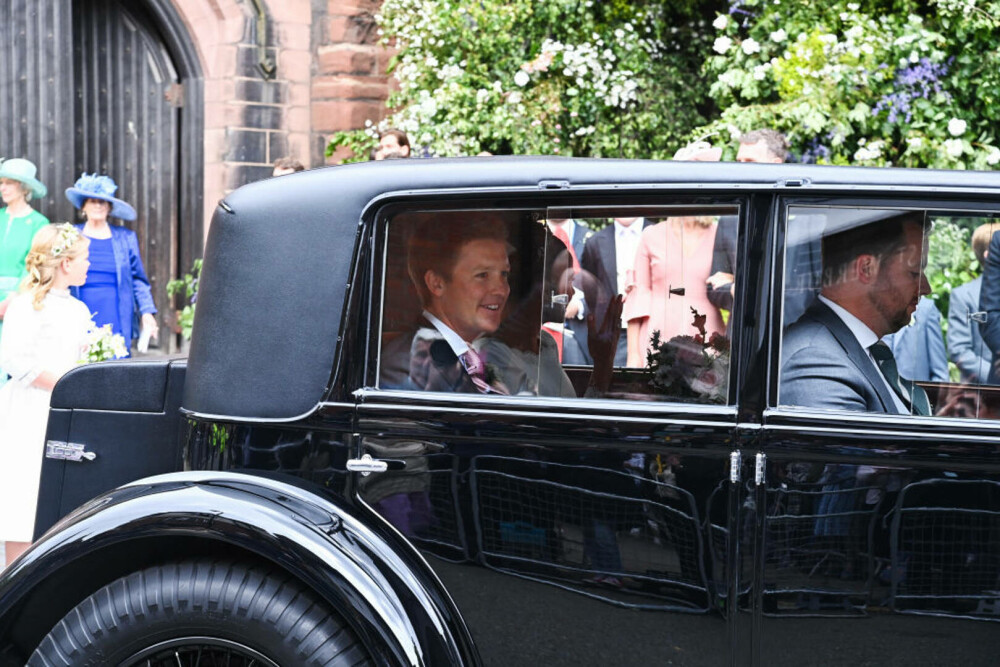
571	523
109	424
876	534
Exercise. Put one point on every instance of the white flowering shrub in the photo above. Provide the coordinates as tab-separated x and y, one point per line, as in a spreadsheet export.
884	82
564	77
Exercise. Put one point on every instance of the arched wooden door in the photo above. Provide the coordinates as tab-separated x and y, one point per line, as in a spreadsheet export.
128	101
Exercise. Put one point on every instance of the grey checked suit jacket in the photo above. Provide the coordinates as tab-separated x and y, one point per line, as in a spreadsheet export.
824	366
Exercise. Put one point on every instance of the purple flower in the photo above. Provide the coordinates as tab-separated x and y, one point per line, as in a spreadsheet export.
922	79
815	151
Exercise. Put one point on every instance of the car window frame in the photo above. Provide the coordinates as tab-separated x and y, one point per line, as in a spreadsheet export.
378	219
977	204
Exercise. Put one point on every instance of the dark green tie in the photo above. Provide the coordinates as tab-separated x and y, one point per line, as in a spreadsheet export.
912	395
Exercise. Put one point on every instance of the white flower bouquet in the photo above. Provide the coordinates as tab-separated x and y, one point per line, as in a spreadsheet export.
103	344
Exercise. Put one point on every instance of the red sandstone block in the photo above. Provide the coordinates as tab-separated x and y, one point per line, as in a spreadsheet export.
294	65
292	11
350	87
352	7
352	29
335	116
383	55
339	155
215	145
299	94
297	119
294	35
346	59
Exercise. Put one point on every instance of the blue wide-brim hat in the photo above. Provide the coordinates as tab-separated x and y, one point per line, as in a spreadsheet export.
22	170
99	186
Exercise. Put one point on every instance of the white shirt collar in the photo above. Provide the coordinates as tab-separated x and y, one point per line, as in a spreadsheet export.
635	228
457	344
865	336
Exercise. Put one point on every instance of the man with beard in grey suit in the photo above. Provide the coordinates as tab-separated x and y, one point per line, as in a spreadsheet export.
873	277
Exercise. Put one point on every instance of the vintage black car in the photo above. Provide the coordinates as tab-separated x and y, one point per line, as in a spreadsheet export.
282	498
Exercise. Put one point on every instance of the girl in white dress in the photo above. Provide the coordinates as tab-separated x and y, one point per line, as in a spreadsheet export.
44	335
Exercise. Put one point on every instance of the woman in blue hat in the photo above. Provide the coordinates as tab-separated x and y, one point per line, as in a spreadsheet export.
116	288
18	224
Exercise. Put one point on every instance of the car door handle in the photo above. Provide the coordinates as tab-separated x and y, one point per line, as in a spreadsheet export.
366	465
67	451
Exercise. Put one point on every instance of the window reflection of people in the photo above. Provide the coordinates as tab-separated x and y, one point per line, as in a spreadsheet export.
919	347
965	343
608	261
673	255
460	266
573	234
672	262
832	357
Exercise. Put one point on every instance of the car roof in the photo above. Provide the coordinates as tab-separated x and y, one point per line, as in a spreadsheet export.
279	255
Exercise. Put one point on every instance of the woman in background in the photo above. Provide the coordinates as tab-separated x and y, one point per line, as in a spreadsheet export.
116	287
672	265
18	225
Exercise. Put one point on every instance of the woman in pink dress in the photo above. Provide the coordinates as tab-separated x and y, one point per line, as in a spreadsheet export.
672	263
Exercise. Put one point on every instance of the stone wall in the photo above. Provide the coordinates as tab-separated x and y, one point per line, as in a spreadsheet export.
329	75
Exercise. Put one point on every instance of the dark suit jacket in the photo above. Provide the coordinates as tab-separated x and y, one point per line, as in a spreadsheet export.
575	348
824	366
965	344
989	302
422	365
418	363
724	260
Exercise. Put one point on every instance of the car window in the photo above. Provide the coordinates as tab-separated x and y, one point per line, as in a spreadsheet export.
526	302
881	313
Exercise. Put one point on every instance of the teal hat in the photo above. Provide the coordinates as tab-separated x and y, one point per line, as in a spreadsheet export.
99	186
22	170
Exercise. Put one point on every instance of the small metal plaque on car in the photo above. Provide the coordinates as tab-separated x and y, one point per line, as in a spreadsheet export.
67	451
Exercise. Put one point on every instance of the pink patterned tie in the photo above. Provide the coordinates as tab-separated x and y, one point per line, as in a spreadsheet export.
474	366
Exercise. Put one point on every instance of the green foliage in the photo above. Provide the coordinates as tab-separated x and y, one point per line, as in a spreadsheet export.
872	82
566	77
188	288
876	83
951	262
360	142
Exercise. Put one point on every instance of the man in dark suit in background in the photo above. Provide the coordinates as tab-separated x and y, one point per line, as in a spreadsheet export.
573	234
608	265
989	305
832	357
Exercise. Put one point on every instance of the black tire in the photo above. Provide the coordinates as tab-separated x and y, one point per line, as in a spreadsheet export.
201	612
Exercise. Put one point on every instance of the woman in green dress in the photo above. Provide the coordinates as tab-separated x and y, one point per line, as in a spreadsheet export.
18	224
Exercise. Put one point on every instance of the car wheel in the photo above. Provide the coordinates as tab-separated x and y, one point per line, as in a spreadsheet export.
201	612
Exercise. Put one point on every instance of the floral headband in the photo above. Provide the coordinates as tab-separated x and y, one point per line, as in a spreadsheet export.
68	236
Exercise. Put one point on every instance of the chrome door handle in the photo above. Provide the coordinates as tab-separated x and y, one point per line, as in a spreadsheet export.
366	465
67	451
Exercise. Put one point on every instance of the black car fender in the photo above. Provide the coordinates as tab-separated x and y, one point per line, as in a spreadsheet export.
386	593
